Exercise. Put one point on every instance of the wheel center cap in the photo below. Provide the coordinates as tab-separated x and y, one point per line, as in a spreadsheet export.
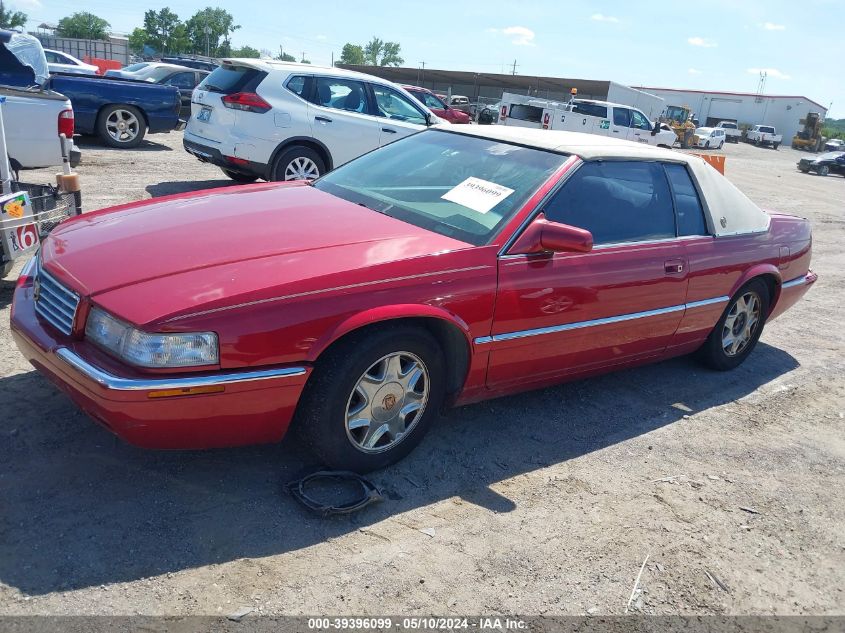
388	401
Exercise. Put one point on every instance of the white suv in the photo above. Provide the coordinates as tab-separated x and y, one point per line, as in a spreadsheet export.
285	121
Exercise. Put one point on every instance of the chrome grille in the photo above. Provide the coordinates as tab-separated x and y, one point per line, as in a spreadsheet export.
55	303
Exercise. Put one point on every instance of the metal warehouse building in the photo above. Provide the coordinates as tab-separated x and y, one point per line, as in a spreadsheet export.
784	112
488	87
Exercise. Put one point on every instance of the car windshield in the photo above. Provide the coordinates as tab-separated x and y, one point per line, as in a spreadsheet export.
454	184
133	67
157	74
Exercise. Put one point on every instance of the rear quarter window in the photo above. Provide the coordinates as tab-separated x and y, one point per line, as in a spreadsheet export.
231	79
687	204
529	113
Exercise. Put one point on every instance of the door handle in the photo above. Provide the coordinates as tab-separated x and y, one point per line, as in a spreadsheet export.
322	119
616	131
673	266
388	130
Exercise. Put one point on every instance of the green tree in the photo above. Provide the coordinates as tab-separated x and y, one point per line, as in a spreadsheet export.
84	25
246	51
163	30
137	40
352	54
380	53
208	27
11	19
284	57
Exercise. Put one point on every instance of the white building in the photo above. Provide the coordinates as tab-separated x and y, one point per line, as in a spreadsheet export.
784	112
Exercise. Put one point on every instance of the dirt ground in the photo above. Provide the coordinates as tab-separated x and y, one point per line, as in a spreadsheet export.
733	484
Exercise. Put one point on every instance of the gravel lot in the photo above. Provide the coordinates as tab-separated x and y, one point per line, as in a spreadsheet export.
543	503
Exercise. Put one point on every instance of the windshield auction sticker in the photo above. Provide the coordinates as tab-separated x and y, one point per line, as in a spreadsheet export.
477	194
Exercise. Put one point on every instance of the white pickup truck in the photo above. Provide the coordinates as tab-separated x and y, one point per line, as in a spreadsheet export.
764	135
732	133
33	117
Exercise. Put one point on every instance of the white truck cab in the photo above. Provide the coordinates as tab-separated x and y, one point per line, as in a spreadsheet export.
584	115
732	131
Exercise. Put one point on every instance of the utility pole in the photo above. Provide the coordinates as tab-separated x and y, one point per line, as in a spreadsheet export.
514	68
332	59
303	57
281	53
421	78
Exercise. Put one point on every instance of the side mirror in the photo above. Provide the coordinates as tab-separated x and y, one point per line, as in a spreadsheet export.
544	236
655	128
430	119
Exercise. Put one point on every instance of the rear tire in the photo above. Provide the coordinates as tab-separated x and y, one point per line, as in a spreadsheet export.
239	177
721	145
344	415
121	126
738	330
298	163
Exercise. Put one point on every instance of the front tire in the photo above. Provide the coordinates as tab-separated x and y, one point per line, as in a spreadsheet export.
372	398
298	163
737	332
121	126
824	170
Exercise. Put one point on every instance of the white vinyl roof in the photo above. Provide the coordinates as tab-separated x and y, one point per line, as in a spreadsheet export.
729	211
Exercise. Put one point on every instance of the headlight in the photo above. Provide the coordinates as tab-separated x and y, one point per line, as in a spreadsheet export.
150	350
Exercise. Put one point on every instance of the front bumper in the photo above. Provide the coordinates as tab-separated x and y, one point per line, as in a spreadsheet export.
247	407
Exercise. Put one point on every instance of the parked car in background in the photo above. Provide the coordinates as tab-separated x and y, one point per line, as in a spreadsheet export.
710	137
60	62
430	100
357	308
145	71
130	69
183	78
459	102
257	118
829	163
732	131
834	145
191	62
764	135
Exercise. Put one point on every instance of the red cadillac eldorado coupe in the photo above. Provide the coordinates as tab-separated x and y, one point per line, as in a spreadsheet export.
454	265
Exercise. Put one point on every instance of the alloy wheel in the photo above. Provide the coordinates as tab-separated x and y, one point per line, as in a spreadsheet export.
387	402
122	126
741	323
302	168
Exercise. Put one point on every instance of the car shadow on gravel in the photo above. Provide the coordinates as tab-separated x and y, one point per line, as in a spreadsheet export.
95	142
79	508
185	186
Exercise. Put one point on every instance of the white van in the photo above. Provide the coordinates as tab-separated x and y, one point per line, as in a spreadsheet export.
582	115
710	137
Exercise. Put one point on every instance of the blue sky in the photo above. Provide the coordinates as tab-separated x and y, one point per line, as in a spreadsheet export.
716	44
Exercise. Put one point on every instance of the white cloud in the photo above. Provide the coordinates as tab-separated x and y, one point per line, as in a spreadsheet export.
693	71
600	17
770	72
702	41
519	35
771	26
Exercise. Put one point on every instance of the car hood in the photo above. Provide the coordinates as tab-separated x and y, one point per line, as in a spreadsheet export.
146	261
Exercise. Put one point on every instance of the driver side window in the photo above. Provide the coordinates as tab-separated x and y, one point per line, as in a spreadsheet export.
617	201
392	105
639	121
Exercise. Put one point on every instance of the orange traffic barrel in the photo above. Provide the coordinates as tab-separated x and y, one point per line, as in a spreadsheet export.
715	160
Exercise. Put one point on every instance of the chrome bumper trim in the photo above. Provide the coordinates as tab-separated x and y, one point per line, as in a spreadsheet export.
798	281
116	383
